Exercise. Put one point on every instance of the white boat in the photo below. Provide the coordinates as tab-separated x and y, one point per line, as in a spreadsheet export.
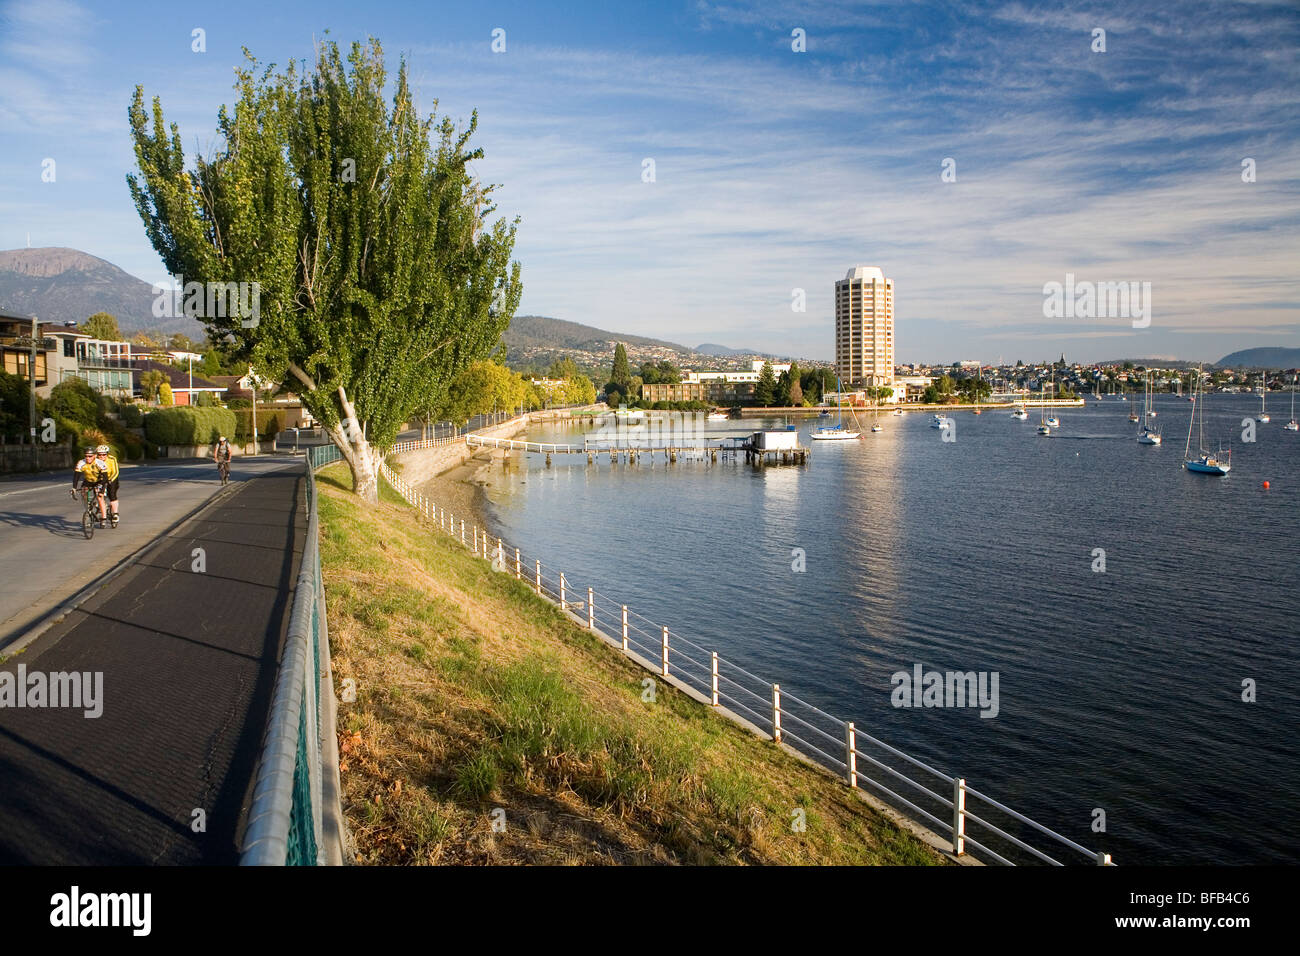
940	421
1148	435
1292	425
1043	427
1205	463
836	432
1020	414
1263	415
1052	421
717	416
898	411
875	421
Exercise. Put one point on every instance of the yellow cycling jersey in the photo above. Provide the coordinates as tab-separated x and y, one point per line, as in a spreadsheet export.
95	471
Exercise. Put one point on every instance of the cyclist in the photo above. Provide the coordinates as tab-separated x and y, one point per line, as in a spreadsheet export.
221	455
87	474
106	465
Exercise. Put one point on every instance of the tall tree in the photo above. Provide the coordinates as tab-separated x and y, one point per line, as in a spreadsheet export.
102	325
379	277
621	374
765	390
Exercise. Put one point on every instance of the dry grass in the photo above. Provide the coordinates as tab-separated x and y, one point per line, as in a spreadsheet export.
489	729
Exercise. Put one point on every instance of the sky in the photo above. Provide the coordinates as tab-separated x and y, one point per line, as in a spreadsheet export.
973	151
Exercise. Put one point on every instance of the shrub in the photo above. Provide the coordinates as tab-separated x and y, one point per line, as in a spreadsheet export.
131	415
268	424
77	402
186	425
134	447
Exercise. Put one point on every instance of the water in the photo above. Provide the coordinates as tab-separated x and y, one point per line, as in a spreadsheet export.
1118	690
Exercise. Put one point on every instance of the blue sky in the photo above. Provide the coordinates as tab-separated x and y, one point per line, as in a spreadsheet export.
774	170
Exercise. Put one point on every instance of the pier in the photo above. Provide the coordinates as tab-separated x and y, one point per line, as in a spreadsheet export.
630	450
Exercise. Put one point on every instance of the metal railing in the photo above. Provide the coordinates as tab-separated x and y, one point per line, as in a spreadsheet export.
859	759
296	818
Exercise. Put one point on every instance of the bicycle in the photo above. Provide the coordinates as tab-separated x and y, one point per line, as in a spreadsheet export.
90	517
223	469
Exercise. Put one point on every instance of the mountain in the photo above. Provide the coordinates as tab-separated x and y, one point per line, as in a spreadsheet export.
1262	358
721	351
540	332
67	285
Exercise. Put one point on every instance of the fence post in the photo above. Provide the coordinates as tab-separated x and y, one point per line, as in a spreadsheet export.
591	609
715	678
851	753
776	712
501	554
462	532
539	577
564	605
665	650
476	540
516	564
959	816
625	628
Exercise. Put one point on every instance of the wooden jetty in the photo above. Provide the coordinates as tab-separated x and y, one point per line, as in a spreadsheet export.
631	450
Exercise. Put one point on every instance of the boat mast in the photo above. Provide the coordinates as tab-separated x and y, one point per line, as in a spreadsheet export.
1192	421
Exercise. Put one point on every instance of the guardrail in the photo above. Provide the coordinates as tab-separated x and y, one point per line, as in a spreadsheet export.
296	818
860	759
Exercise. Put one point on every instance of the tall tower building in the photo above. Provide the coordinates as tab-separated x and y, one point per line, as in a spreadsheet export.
864	327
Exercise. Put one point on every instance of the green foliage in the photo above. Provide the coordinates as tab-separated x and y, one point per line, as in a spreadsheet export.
663	373
205	400
563	368
621	374
185	425
268	424
165	393
480	388
102	325
379	272
77	402
15	405
765	390
150	383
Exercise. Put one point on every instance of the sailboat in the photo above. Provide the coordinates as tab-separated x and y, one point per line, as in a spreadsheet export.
1051	417
1205	464
836	432
1292	425
1148	436
1263	389
1043	427
875	422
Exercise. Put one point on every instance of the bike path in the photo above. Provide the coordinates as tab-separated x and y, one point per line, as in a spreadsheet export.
187	656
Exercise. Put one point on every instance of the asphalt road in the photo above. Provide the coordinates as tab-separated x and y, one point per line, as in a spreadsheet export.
44	557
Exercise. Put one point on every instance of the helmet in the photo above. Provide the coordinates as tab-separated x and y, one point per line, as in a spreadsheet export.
221	440
90	451
101	450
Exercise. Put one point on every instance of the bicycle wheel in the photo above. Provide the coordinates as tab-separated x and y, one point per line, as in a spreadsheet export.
87	524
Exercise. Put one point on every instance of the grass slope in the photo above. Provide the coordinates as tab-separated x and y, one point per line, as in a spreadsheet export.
474	694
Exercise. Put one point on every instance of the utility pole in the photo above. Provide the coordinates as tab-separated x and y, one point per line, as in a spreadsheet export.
31	371
252	378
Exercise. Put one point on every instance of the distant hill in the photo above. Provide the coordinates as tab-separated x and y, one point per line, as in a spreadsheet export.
1262	358
67	285
721	351
540	332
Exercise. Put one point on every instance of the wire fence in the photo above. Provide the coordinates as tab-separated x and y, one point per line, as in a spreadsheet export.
968	818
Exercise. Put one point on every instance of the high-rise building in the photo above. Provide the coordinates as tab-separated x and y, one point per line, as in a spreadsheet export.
864	327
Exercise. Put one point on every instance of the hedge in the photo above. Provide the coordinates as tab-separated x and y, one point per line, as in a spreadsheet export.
188	425
268	424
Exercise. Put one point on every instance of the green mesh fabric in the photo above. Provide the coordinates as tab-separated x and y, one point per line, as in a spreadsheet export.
302	834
